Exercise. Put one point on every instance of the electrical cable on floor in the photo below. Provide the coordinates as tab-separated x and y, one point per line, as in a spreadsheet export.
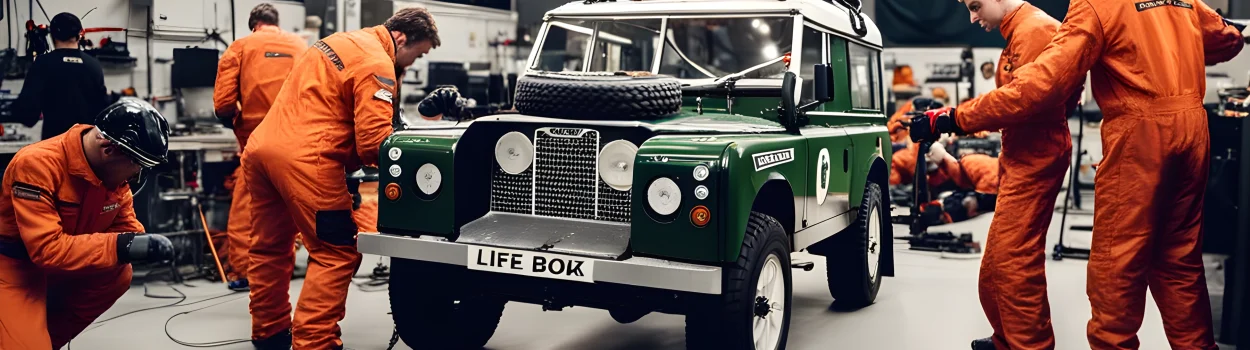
394	339
181	298
380	277
207	344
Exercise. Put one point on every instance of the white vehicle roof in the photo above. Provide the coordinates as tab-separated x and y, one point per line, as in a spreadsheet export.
835	17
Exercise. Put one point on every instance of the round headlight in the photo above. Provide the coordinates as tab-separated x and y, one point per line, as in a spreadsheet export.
514	152
664	196
700	172
395	170
429	179
616	164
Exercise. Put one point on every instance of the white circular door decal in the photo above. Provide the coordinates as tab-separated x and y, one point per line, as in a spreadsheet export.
823	172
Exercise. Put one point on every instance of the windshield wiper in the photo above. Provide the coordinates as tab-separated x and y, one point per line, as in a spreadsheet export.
720	82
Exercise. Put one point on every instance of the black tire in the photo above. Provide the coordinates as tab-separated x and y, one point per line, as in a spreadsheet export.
598	97
431	318
847	265
725	321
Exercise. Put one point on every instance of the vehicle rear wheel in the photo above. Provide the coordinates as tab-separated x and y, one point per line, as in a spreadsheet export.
854	265
753	310
439	318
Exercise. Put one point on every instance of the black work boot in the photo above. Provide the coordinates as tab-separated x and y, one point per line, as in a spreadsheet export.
983	344
280	341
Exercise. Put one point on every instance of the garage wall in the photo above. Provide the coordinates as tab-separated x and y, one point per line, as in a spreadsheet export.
465	31
921	60
176	24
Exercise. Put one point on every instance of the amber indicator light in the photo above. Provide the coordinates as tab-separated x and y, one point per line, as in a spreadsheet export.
392	191
700	216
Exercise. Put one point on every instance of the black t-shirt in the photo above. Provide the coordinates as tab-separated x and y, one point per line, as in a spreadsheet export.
67	87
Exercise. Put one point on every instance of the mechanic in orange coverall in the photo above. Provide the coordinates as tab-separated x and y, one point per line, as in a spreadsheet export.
331	116
1037	148
250	74
975	177
68	230
1148	60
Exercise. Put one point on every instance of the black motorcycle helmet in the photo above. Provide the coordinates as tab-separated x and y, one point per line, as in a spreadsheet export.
138	129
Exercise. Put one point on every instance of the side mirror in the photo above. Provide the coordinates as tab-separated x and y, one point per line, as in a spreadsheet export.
824	83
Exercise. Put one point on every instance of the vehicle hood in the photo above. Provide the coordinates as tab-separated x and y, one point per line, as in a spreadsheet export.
685	122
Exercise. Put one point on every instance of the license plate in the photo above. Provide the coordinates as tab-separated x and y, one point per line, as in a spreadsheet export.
534	264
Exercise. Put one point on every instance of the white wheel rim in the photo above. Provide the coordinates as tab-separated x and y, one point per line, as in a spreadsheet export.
771	287
874	244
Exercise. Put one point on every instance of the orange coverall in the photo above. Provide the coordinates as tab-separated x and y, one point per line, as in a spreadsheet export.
1149	78
1037	148
977	172
899	133
53	204
903	168
331	117
250	74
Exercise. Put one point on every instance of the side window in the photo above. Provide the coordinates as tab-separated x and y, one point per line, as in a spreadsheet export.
813	44
865	77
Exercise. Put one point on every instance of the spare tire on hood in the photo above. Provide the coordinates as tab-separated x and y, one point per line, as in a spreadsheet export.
598	96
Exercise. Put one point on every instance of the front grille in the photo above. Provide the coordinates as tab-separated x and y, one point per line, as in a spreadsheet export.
613	204
563	181
565	174
512	193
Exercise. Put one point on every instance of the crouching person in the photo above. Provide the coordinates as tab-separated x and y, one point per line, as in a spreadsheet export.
68	230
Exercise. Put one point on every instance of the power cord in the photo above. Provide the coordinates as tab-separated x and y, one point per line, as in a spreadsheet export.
202	345
181	297
381	276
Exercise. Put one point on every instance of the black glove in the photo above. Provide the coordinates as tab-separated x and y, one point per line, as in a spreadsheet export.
921	104
1240	27
227	122
144	247
445	101
930	125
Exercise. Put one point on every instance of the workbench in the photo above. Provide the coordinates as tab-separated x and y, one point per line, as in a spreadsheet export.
203	142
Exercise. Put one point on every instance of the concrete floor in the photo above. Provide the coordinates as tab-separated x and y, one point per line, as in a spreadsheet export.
932	303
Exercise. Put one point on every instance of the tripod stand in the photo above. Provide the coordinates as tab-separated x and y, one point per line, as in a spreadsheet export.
1061	251
918	225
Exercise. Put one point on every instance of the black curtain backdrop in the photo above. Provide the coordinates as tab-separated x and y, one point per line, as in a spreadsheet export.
942	23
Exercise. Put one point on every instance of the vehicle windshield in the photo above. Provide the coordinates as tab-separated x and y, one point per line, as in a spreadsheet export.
693	48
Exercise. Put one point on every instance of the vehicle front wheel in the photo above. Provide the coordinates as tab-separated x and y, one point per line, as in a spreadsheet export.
433	317
753	310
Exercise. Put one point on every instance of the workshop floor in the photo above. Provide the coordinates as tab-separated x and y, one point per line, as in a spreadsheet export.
932	304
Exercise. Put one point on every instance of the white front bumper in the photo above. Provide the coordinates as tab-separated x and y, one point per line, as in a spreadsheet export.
636	271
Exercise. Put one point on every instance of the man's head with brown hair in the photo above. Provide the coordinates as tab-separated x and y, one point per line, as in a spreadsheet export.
415	34
989	14
262	14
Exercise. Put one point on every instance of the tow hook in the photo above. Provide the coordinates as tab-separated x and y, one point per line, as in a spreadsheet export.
551	304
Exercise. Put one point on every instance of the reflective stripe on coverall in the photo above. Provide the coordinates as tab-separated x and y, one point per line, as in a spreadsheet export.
1149	78
249	74
53	204
331	117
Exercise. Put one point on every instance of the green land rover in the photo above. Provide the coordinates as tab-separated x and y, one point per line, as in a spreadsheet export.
665	156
